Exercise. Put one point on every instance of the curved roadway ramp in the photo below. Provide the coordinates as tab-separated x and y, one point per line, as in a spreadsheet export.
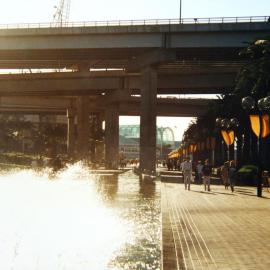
214	230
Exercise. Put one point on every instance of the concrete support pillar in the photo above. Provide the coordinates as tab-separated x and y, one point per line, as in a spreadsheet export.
99	145
93	138
40	145
99	124
70	131
148	120
84	68
83	127
112	136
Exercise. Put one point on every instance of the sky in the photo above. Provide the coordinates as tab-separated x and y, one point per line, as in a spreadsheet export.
34	11
17	11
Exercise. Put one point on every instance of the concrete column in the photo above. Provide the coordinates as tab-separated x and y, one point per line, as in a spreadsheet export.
70	131
83	68
40	145
112	136
93	138
99	144
83	127
148	120
99	124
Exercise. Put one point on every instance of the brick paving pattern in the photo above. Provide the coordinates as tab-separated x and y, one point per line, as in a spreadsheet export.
214	230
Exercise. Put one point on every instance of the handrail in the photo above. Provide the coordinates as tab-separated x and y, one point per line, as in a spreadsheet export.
215	20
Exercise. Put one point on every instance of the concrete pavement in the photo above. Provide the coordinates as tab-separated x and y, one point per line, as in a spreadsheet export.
214	230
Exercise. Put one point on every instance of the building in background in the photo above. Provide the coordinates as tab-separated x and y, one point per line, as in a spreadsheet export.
129	141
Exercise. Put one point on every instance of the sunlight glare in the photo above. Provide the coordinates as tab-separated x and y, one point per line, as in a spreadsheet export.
59	224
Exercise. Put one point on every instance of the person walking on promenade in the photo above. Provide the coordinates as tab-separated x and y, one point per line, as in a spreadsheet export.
168	162
206	170
232	174
199	168
224	172
186	167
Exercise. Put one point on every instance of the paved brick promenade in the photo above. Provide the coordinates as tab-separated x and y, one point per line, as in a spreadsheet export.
215	230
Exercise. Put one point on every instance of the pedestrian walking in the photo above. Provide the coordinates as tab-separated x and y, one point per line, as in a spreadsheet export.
224	172
232	174
199	168
206	170
168	162
186	168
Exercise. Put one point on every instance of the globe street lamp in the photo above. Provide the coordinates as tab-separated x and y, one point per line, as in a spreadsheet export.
259	120
227	127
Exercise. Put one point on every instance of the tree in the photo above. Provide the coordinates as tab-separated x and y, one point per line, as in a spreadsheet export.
253	79
50	137
13	127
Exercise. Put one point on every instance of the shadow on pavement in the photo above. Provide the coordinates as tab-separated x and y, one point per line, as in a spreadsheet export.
223	193
249	194
204	192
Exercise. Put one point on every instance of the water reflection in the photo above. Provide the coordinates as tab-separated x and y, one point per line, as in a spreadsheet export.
147	188
78	221
107	186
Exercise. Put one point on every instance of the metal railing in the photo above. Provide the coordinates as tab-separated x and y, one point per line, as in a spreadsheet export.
213	20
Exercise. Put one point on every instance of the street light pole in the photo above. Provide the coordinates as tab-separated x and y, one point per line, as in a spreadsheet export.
161	146
228	127
261	107
180	11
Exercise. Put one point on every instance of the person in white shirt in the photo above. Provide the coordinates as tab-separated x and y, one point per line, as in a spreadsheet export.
186	168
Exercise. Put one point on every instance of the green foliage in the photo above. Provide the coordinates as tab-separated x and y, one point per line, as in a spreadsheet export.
254	77
252	80
49	136
12	131
15	129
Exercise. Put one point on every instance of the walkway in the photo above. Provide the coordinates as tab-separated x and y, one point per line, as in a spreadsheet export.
215	230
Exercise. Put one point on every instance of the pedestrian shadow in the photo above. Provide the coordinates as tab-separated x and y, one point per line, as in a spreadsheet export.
251	194
223	193
203	192
244	190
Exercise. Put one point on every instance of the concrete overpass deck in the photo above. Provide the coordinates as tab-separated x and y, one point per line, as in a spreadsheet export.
178	52
131	106
120	45
96	83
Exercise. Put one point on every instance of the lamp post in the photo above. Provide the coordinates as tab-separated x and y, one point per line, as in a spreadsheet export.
227	127
258	111
180	11
161	142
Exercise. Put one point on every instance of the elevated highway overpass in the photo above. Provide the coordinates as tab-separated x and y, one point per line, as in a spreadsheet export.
111	62
170	107
98	83
204	46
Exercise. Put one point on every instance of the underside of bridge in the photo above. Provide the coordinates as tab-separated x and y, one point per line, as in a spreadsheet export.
116	71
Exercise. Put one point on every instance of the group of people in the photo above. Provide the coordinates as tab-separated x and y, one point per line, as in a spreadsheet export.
228	174
173	164
203	173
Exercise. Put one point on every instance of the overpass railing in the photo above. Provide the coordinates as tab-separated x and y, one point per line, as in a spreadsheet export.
212	20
